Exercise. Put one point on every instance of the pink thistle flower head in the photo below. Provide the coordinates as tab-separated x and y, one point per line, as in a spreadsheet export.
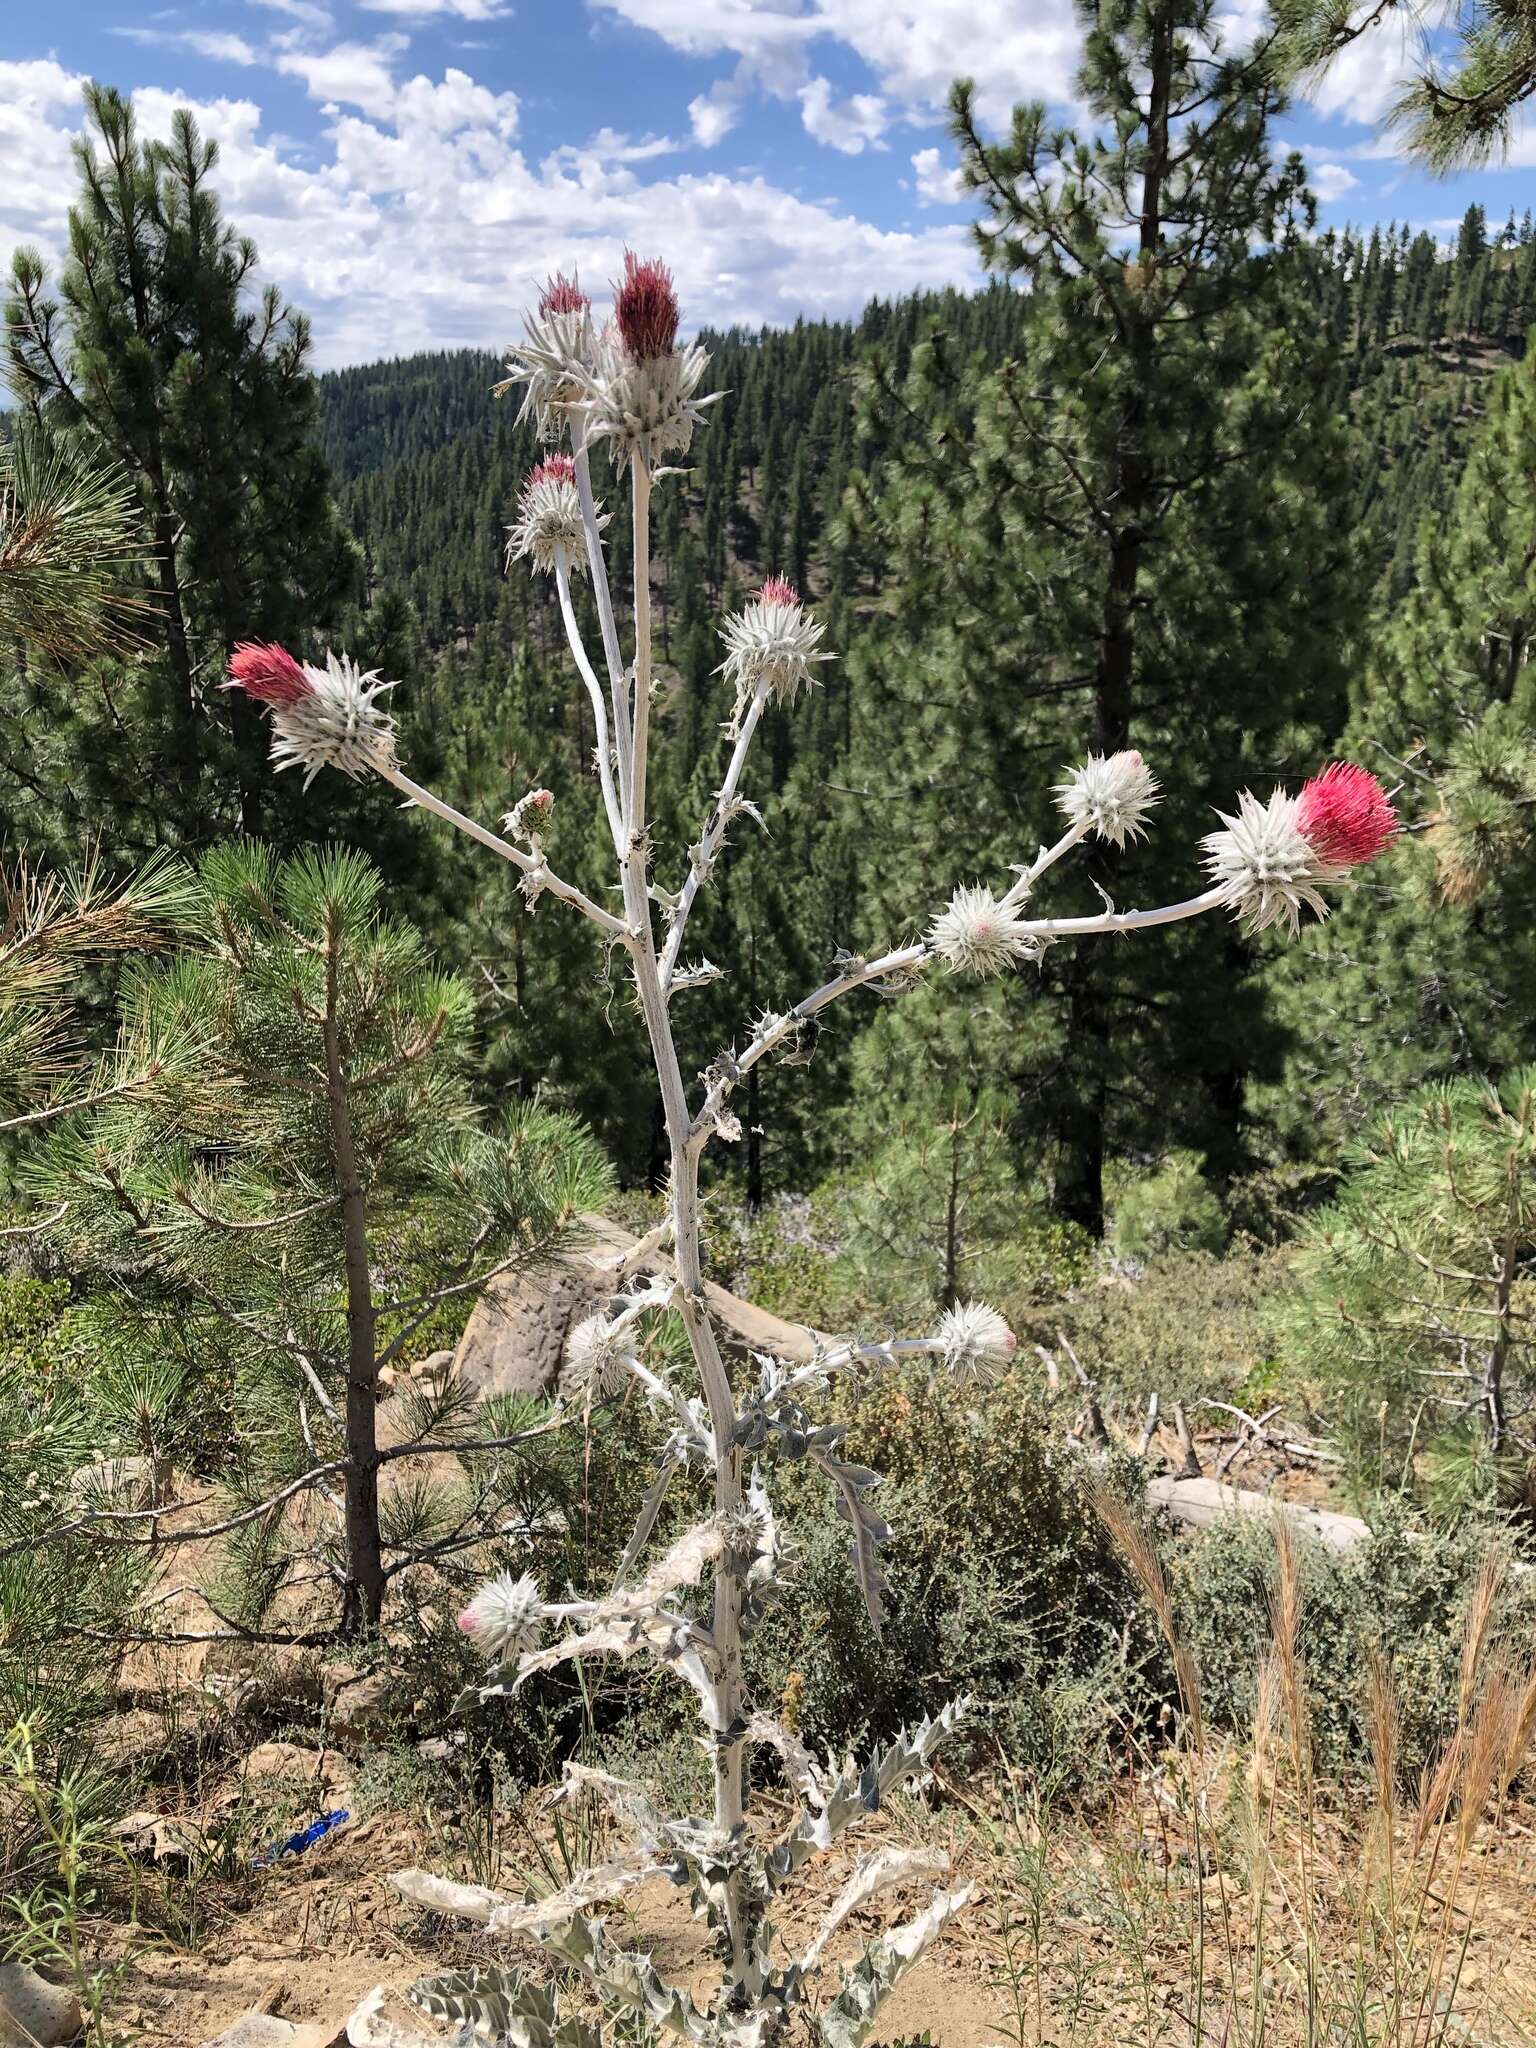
268	673
778	590
554	469
1345	815
562	294
541	800
646	309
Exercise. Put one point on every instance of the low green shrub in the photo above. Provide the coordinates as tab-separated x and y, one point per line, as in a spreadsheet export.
1002	1582
1404	1592
1171	1208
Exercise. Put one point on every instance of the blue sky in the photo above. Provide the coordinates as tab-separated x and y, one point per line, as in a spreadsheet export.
411	168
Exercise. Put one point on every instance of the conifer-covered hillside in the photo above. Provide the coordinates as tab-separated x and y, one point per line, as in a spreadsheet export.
906	473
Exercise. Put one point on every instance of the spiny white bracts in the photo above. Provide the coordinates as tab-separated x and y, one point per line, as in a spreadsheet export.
645	406
594	1361
1265	866
553	361
977	1342
549	528
770	644
505	1617
976	935
1111	793
337	723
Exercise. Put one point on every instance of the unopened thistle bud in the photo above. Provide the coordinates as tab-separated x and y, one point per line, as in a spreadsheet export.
1111	794
976	934
770	645
321	717
594	1361
549	529
978	1344
505	1617
530	814
553	361
1274	859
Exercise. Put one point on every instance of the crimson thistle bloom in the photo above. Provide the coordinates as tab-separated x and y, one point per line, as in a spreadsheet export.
977	1341
1110	795
554	358
321	717
549	528
266	672
1346	815
505	1617
563	294
642	389
770	645
977	934
1272	859
646	308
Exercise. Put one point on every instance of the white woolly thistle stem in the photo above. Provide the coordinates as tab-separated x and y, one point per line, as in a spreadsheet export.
641	394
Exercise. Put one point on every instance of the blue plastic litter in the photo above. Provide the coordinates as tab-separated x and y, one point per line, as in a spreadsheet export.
306	1838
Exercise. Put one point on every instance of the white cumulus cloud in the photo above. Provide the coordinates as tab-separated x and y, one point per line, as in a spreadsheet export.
349	74
455	10
938	183
915	48
852	126
1331	181
418	221
713	114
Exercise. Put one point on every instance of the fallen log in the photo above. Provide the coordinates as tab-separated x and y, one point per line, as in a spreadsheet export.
1197	1503
517	1330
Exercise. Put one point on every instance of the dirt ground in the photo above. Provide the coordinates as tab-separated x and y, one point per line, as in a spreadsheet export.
321	1931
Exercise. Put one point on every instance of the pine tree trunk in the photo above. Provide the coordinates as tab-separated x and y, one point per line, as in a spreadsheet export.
1080	1173
363	1598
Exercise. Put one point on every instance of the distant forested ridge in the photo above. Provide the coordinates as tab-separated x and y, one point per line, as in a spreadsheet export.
806	470
1230	492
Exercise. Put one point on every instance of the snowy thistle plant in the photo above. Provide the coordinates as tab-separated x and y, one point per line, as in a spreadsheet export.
631	390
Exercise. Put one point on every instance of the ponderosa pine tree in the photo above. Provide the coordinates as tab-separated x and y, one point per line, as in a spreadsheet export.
1433	963
155	356
1117	537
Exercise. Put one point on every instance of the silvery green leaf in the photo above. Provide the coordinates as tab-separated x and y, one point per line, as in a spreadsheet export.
442	1895
872	1874
800	1765
369	2026
857	1791
668	1638
869	1982
625	1801
499	2007
870	1533
650	1508
591	1888
627	1979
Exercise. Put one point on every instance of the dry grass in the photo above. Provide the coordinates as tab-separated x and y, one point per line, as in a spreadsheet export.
1228	1897
1221	1895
